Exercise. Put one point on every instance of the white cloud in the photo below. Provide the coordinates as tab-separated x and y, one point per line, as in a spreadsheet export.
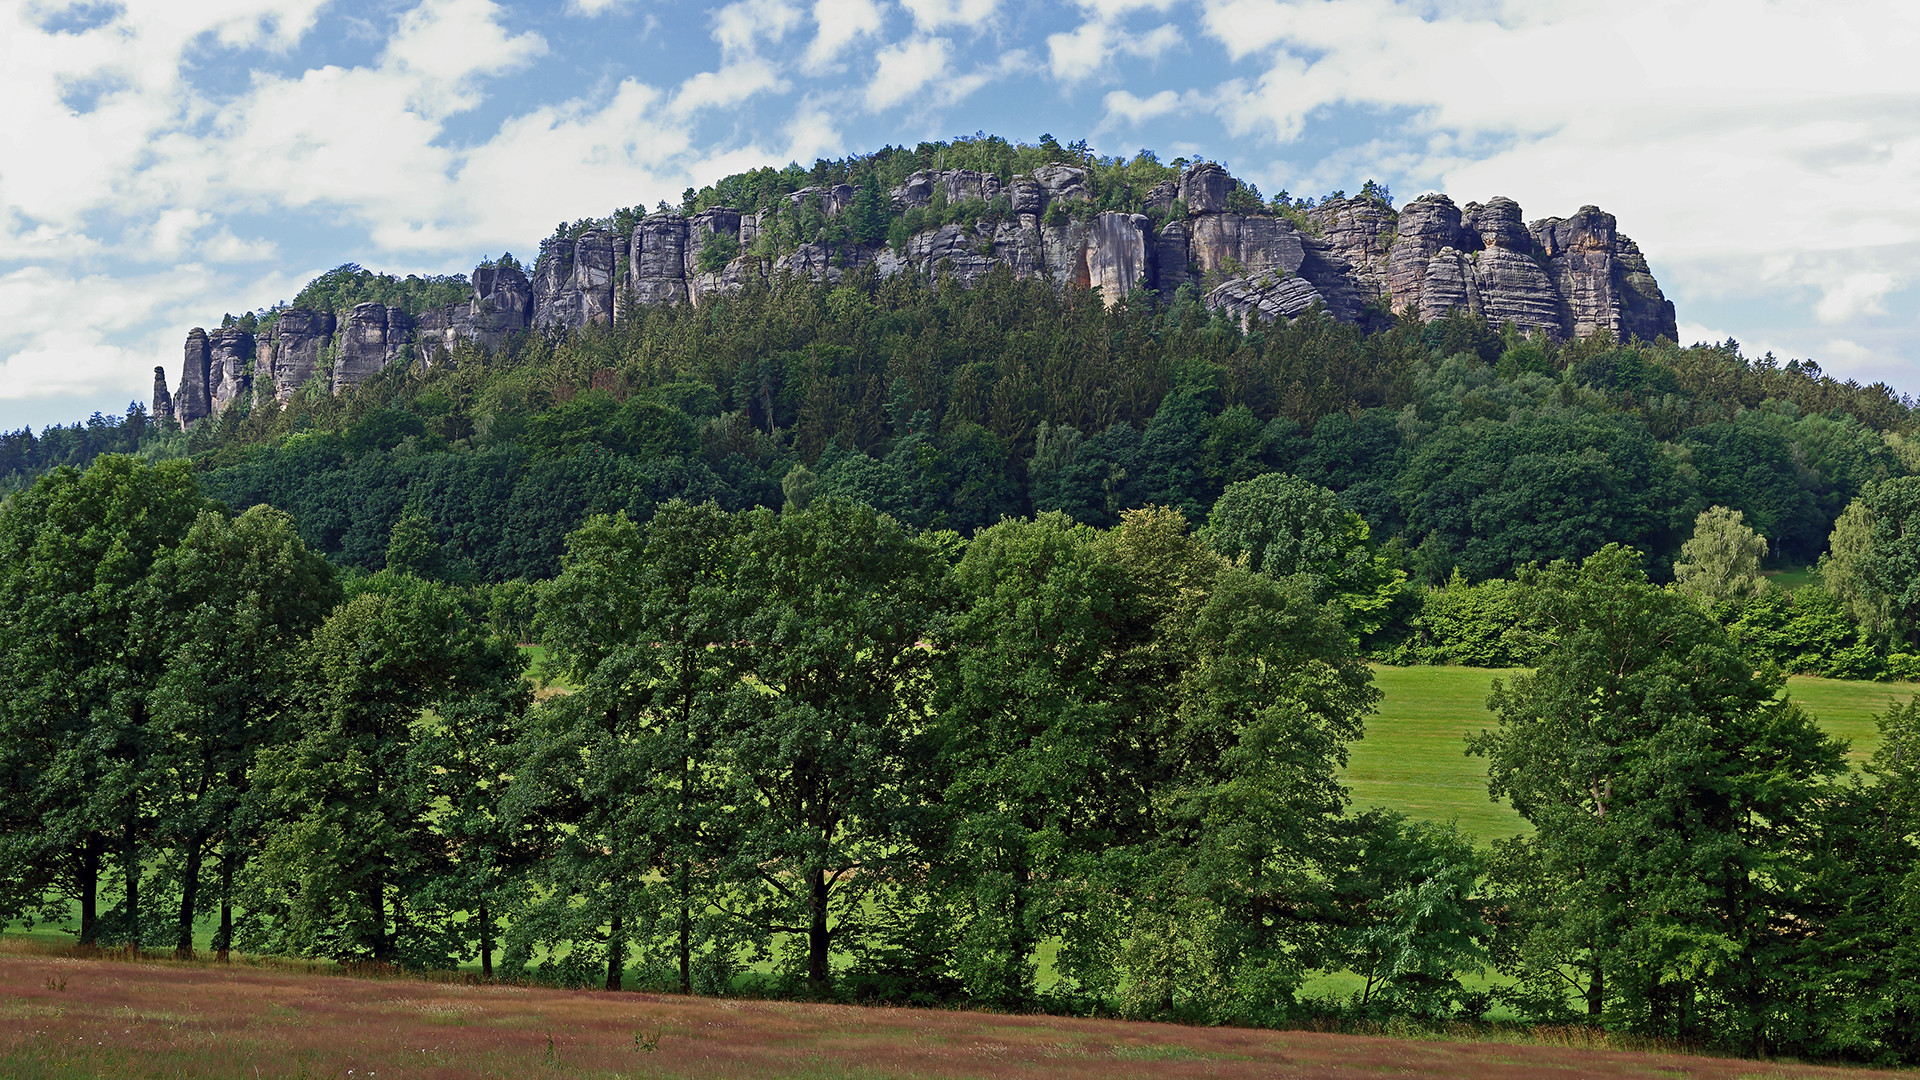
1087	49
840	22
1855	295
730	85
592	8
740	26
903	69
1123	105
934	14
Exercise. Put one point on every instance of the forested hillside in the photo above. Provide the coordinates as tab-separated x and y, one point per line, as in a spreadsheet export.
951	407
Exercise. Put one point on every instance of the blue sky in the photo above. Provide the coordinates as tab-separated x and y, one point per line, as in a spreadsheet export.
165	162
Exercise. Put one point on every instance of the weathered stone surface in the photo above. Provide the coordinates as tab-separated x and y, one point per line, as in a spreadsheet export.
1063	182
230	352
1514	288
1360	232
832	201
1562	277
1159	198
1244	245
1205	187
1334	278
293	350
657	262
1448	284
1645	312
573	281
1602	278
957	249
502	305
1498	224
1027	195
551	273
701	229
1269	297
1427	225
1114	257
1173	257
915	190
375	336
162	404
193	402
1017	245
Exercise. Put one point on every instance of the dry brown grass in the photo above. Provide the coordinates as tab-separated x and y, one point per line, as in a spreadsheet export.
65	1016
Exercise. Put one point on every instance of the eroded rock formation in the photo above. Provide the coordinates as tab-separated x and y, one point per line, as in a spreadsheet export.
1358	258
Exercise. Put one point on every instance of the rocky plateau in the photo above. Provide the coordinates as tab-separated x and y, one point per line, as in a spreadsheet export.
1562	277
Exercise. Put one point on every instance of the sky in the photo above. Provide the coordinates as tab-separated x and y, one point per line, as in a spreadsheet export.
163	162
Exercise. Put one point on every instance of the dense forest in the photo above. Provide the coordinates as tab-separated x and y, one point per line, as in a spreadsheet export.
818	752
986	646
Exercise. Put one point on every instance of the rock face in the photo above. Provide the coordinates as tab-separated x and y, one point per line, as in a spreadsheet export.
1563	277
229	367
375	336
1601	277
294	346
162	401
501	304
193	402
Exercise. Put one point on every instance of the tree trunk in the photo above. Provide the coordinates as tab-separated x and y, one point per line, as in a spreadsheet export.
616	954
686	929
88	884
486	940
130	860
189	894
377	910
817	934
224	942
1596	994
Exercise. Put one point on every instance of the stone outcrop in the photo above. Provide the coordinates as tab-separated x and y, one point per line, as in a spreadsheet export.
1601	277
294	348
229	367
192	402
1357	258
162	401
501	304
374	337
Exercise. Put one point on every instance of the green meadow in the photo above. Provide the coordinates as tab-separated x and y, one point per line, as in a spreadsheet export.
1414	759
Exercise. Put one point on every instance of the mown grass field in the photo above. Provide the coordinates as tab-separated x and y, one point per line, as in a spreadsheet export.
1413	758
64	1019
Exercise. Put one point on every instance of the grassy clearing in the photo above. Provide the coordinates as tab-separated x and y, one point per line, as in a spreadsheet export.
63	1018
1414	757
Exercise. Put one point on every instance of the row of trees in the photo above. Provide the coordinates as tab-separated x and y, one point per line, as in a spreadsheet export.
816	751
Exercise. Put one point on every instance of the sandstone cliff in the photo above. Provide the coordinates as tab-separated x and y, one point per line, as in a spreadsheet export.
1562	277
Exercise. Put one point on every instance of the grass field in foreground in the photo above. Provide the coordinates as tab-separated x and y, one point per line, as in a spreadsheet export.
1414	757
62	1019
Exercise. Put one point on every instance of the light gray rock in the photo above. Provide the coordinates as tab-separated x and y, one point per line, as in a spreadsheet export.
1269	297
294	347
1114	256
1205	187
374	337
229	367
1027	195
1515	289
1602	278
1173	257
1159	198
1427	226
1063	182
1360	232
657	260
1244	245
701	230
954	249
1448	284
1328	271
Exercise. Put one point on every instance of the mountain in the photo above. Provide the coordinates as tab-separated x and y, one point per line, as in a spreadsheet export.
1196	227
